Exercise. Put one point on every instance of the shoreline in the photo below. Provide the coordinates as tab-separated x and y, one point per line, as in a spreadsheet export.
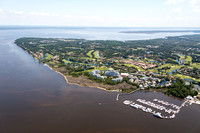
67	81
104	89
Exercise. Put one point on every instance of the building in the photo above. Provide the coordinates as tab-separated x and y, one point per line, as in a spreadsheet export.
112	73
196	88
118	79
96	73
124	74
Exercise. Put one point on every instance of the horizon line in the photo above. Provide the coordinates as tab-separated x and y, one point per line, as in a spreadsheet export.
94	26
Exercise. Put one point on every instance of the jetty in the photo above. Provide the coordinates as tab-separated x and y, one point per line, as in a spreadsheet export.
123	94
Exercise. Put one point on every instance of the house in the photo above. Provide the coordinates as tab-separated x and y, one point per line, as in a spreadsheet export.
196	88
124	74
141	87
131	80
187	83
144	78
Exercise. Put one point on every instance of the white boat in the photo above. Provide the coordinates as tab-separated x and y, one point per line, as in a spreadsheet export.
145	110
127	102
134	106
157	115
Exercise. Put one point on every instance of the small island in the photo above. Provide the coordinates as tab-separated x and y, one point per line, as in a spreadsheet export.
170	65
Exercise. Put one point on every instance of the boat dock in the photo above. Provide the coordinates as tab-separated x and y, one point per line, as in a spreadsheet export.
175	109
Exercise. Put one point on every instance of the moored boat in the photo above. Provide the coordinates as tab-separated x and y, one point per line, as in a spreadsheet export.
157	115
134	106
127	102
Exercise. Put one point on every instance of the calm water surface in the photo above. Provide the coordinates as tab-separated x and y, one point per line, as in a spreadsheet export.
34	99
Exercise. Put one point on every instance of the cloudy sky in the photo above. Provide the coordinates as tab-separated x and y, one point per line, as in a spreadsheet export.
122	13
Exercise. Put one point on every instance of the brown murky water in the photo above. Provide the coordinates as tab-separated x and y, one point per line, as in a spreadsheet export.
34	99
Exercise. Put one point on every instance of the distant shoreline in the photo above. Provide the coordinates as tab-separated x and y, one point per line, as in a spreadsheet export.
161	31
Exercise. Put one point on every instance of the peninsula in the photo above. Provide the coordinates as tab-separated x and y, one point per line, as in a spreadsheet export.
170	65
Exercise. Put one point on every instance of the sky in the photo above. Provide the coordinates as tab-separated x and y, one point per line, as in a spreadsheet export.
102	13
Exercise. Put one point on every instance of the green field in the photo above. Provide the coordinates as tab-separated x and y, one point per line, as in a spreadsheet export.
95	55
172	67
67	61
139	49
137	67
182	57
73	48
99	68
197	65
87	58
90	53
188	59
186	77
48	56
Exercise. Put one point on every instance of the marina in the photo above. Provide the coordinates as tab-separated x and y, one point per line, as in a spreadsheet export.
45	105
151	106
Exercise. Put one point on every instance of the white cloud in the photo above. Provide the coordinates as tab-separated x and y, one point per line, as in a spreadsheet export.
1	11
179	18
47	18
42	14
177	10
68	16
18	13
197	10
195	5
173	1
168	17
194	2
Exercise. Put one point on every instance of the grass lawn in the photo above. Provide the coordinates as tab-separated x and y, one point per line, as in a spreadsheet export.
172	67
49	56
189	58
95	55
197	65
182	57
52	62
86	58
151	60
73	48
137	67
90	53
172	59
185	77
99	68
67	61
